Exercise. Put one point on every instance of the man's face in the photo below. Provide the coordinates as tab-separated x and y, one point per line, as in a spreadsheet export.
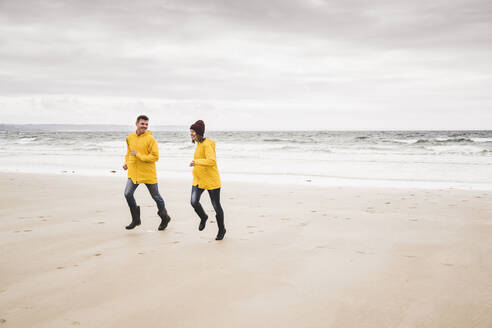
142	126
193	135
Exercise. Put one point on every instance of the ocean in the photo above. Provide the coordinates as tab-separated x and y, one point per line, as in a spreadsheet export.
413	159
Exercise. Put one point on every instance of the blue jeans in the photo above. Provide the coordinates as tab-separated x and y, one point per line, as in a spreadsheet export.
214	194
154	192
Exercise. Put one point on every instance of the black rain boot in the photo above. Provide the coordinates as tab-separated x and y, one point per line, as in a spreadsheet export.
203	222
202	215
135	211
222	229
165	218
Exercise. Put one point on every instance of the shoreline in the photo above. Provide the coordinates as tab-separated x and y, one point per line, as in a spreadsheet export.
279	179
293	256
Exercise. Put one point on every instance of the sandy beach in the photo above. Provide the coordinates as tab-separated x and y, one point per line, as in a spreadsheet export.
293	256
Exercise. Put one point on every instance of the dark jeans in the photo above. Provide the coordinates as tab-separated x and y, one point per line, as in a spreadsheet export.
154	192
214	194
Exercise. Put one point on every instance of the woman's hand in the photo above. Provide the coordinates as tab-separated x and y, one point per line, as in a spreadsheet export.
192	163
125	167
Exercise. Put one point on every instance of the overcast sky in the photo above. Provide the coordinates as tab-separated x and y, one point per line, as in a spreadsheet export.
256	64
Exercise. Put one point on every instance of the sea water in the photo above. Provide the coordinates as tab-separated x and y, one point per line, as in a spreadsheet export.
426	159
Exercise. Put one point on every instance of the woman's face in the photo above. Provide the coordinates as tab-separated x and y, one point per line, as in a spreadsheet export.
193	135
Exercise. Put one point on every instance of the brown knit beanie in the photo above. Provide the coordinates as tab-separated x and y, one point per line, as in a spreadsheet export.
198	127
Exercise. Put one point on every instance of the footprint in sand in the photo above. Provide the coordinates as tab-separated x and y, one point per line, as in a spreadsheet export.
303	224
16	231
27	230
59	268
415	220
387	203
410	256
251	232
212	221
250	226
174	242
97	254
140	253
99	211
348	218
285	219
324	214
75	323
100	222
313	211
361	252
448	264
2	321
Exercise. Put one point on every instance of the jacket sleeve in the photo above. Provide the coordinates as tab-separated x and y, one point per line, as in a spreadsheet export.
209	160
153	155
127	151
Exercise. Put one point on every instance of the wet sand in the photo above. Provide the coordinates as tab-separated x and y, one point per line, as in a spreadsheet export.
293	256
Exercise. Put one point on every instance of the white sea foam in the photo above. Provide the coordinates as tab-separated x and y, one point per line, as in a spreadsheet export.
481	139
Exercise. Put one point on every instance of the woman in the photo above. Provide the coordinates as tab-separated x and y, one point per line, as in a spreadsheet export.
205	177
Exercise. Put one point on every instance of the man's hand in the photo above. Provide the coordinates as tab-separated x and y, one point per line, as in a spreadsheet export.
133	153
125	167
192	163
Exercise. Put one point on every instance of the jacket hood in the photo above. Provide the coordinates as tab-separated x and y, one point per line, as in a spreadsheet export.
147	133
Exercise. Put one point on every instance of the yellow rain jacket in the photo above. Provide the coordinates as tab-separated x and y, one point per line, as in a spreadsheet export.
141	168
205	172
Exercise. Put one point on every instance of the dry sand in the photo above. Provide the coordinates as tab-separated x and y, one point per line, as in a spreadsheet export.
293	256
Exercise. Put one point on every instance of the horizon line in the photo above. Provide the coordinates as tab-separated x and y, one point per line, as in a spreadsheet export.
229	130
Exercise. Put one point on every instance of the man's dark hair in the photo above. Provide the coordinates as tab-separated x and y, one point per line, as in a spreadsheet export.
142	117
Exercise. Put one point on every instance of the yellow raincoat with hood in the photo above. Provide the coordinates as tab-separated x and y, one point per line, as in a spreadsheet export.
141	168
205	172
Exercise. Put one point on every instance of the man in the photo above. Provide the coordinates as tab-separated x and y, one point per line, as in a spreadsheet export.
141	155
